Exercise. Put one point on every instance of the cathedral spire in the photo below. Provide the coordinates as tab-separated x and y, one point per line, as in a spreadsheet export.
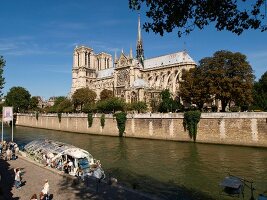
139	44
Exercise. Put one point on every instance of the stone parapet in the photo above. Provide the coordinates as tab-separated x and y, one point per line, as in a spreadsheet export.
246	128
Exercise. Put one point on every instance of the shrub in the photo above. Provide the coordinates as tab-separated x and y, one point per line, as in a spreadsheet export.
121	121
59	117
37	115
90	119
102	120
191	119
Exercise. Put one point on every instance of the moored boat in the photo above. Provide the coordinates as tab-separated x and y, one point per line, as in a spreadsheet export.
64	157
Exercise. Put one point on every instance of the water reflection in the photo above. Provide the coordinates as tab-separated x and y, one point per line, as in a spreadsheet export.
164	168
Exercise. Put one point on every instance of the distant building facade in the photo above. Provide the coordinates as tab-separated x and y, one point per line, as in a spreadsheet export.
131	78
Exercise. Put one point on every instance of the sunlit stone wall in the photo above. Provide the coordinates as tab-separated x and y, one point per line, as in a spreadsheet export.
246	128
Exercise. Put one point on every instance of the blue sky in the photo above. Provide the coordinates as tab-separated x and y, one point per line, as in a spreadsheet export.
37	39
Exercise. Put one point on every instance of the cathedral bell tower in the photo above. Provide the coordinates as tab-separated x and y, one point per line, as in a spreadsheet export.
139	45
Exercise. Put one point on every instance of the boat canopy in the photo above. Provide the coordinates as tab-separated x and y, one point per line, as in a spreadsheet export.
54	149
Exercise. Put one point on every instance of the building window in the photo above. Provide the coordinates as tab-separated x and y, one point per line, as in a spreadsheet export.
78	59
85	58
89	59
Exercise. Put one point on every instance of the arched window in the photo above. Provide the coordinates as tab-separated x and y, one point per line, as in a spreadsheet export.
133	97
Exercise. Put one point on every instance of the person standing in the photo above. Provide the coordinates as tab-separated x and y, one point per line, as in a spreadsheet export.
16	151
17	178
1	147
45	190
8	154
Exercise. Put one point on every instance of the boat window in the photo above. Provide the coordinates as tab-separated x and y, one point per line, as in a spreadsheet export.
83	163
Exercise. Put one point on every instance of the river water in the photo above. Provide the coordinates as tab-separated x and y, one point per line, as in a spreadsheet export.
170	170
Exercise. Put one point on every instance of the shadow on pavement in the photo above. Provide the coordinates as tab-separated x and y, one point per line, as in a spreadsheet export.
142	188
7	181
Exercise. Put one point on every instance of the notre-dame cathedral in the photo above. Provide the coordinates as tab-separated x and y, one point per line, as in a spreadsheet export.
131	78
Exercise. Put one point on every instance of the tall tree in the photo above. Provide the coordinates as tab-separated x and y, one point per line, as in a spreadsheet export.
106	94
231	15
19	98
229	77
194	88
65	106
2	79
260	93
167	103
83	96
34	101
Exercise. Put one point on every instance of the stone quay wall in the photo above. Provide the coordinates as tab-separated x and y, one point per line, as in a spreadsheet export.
240	128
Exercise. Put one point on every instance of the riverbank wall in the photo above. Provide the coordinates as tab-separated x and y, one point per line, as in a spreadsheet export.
240	128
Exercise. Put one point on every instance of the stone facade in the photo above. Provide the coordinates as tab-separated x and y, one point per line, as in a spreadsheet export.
246	128
131	78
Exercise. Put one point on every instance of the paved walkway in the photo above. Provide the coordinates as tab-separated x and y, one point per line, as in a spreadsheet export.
62	187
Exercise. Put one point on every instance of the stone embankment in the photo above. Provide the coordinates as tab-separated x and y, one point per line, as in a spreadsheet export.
62	187
240	128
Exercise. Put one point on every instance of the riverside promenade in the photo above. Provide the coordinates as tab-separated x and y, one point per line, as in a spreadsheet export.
62	187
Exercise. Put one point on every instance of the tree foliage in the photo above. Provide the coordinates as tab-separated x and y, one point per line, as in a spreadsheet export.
195	89
106	94
83	96
65	106
2	79
34	101
225	76
260	93
139	106
168	104
110	105
19	98
231	15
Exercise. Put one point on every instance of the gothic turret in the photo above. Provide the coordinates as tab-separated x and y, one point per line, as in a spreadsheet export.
139	45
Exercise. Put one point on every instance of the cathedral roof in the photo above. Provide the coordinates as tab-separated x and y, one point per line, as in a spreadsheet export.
105	73
170	59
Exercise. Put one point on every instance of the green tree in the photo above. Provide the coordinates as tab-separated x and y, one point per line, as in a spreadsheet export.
19	98
111	105
59	99
229	77
106	94
260	93
194	88
2	79
139	106
65	106
83	96
167	104
34	101
185	16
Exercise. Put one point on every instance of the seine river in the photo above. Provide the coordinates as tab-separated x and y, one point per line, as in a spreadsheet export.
165	168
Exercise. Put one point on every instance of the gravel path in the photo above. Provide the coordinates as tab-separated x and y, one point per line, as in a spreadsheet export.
62	187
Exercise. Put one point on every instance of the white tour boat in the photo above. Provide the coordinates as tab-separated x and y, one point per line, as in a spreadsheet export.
64	157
